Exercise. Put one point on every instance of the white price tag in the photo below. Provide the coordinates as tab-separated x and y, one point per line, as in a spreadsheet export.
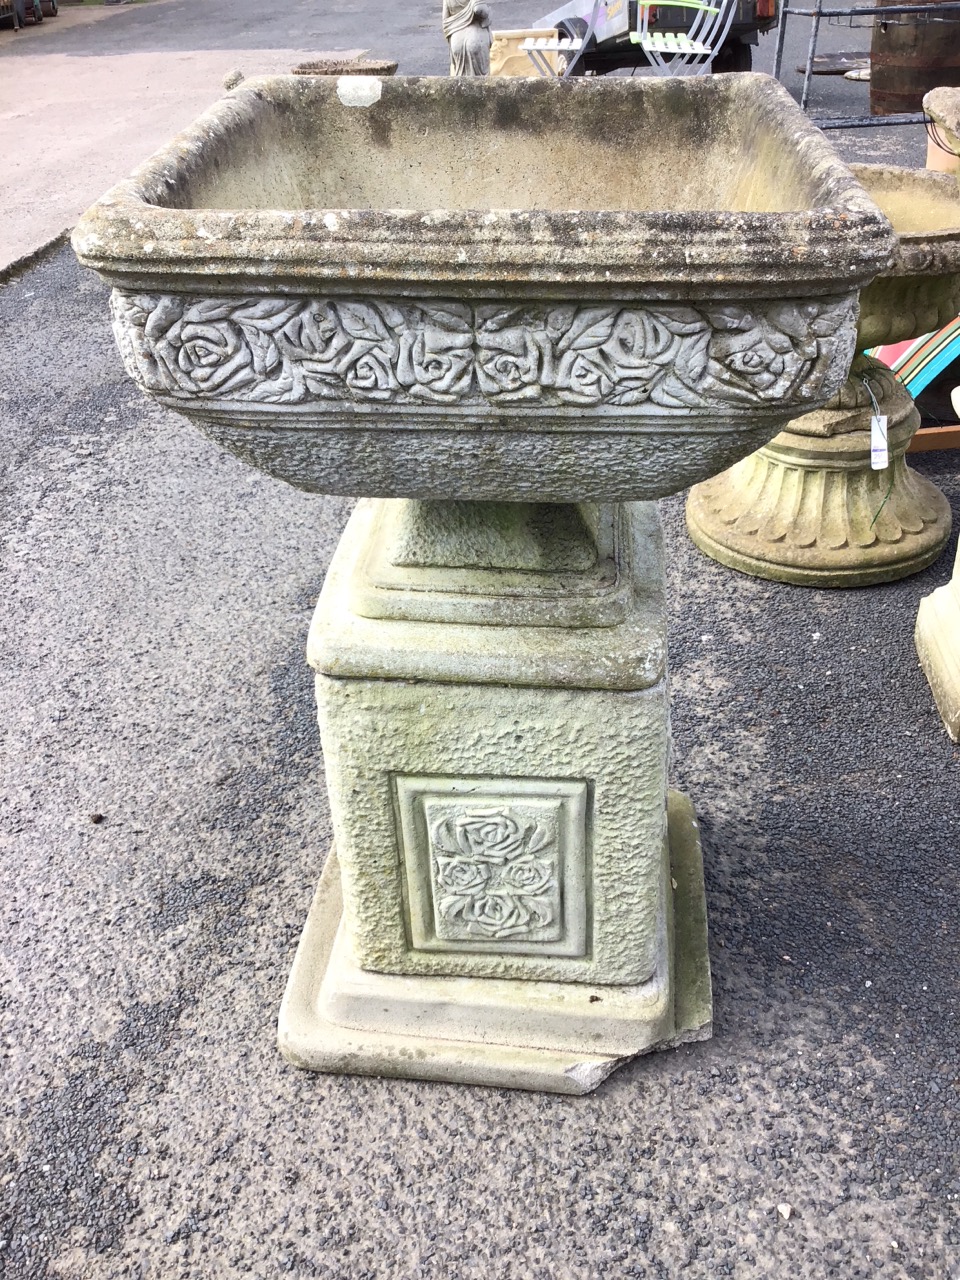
879	454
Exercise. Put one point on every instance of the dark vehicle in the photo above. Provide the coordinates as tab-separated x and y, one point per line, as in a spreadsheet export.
15	13
611	48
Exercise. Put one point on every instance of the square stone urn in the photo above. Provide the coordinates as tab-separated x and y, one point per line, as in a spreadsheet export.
508	314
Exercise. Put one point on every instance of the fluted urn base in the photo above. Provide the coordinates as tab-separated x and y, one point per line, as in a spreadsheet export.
807	508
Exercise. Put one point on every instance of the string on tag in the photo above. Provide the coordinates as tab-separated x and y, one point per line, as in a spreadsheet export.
879	453
879	449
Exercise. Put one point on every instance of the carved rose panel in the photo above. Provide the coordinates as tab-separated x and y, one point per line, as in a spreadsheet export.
494	864
366	351
495	874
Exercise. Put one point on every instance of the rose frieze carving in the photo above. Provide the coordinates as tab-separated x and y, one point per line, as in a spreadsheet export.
296	351
495	874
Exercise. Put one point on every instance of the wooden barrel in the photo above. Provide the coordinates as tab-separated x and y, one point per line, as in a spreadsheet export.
909	57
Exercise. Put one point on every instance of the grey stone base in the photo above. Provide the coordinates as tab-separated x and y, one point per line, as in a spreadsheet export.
509	1034
938	646
889	564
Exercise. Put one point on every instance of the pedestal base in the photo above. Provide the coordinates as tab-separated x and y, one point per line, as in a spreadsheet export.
938	644
807	508
550	1036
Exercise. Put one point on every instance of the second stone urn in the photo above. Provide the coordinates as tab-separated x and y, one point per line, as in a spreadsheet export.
416	291
812	507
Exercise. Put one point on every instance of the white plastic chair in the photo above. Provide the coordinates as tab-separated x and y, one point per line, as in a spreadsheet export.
679	53
544	50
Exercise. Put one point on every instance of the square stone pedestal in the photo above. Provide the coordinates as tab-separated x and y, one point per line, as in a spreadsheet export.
508	903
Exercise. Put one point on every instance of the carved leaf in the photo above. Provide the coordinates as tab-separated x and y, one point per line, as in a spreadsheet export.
361	320
449	315
590	327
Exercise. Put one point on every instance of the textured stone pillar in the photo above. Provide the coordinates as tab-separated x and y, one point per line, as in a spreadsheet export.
493	709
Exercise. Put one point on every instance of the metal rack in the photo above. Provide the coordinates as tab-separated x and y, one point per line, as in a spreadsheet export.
886	14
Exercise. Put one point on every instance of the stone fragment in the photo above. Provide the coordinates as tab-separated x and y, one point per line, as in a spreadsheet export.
938	645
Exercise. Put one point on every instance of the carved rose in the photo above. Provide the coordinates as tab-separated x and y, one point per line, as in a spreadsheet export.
623	357
436	356
315	333
514	353
457	875
500	915
489	880
370	375
761	356
337	348
488	835
214	356
280	350
527	876
211	347
654	350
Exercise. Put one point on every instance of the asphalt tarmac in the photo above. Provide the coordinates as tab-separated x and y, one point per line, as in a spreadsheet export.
163	822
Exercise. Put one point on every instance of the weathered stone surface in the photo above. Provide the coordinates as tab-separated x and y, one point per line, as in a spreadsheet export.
282	181
407	330
416	289
920	292
506	401
427	741
529	634
555	1037
808	507
938	644
943	107
505	563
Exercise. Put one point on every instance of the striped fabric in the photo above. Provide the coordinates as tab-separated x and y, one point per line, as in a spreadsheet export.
917	362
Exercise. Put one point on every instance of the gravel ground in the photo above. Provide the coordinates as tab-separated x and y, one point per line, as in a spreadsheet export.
163	822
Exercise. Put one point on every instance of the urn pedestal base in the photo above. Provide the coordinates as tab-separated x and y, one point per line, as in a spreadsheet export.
938	644
550	1036
493	708
807	508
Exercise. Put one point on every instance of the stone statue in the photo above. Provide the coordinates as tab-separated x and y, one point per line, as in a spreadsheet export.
466	25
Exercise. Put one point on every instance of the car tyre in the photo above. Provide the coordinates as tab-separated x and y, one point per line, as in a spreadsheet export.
576	29
733	56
